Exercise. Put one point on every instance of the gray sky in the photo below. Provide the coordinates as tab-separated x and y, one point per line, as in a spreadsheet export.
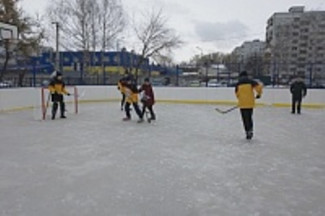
206	25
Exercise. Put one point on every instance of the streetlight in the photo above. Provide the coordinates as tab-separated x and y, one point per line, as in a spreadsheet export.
199	48
57	55
206	65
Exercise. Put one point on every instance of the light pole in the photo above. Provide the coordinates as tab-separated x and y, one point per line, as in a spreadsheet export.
204	65
57	55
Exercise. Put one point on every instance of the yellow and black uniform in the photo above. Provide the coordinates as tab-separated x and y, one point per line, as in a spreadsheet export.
131	93
57	90
245	92
121	88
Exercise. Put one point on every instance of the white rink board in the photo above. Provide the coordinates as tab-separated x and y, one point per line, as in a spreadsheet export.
21	98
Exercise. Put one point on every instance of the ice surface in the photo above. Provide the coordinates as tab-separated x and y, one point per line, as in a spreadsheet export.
191	161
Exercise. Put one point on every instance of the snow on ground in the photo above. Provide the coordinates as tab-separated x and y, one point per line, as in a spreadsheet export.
191	161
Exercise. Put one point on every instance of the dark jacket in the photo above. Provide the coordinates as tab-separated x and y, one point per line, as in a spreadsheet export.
298	89
148	97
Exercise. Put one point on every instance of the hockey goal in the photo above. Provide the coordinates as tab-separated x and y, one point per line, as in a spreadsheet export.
70	101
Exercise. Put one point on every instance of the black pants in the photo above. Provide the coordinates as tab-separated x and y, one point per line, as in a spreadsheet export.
136	108
123	100
152	114
296	103
247	118
57	99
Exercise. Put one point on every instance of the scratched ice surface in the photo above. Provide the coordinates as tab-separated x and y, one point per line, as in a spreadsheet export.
191	161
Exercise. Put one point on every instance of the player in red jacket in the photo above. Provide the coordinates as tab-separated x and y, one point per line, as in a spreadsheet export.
148	98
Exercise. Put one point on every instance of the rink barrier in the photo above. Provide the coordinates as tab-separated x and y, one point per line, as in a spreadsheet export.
224	103
20	99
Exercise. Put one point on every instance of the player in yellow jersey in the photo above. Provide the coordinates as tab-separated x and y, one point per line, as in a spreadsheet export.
57	90
246	89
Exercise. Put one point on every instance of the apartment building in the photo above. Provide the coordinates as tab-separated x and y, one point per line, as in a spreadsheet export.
296	44
249	49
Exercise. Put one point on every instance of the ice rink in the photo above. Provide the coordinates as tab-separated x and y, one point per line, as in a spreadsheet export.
193	161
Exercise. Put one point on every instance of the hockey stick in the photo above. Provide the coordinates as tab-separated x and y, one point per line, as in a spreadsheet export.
226	111
82	94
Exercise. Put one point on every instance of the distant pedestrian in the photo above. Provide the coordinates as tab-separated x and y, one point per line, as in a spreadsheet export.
246	100
298	91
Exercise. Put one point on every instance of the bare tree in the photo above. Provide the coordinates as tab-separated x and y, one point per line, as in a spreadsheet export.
154	36
111	22
30	31
87	25
74	18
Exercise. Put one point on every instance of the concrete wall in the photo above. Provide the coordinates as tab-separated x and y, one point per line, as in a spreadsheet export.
23	98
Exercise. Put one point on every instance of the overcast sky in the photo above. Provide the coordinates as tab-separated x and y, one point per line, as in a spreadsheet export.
206	25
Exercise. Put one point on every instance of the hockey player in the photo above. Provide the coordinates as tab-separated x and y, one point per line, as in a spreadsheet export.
120	86
131	94
57	90
246	100
298	91
147	99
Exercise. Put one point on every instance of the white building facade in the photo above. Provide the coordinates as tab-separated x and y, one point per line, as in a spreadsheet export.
296	45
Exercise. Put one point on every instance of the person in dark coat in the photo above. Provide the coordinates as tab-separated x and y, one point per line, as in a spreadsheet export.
298	91
148	98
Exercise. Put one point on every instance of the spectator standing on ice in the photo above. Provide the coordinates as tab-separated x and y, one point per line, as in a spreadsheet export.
298	91
245	91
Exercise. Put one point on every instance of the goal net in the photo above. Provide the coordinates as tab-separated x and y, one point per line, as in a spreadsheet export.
43	111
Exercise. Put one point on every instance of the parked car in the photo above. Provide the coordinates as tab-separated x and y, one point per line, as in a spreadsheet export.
215	83
6	84
195	83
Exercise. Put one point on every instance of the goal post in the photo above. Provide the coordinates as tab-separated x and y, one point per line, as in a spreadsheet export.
70	101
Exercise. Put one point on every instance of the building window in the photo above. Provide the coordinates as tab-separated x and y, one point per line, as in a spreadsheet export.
304	23
305	37
296	19
294	48
301	65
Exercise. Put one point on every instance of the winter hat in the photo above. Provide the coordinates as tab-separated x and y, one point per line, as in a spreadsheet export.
58	74
243	73
146	79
